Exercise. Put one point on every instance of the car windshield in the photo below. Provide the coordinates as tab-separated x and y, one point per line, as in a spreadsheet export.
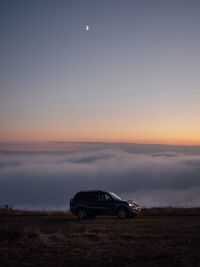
115	196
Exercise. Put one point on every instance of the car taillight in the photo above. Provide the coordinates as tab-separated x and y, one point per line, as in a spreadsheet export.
71	201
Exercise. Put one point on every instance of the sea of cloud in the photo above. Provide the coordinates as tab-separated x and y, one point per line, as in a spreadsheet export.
153	177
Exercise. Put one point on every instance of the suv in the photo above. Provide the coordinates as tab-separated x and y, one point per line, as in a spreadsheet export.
88	204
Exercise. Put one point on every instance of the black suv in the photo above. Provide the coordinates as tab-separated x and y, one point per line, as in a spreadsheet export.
88	204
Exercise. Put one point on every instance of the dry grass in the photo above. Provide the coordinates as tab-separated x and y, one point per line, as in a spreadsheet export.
157	237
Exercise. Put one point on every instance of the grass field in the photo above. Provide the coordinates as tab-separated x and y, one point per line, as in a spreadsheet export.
157	237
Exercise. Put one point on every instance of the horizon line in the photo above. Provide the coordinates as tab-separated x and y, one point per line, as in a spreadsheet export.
71	145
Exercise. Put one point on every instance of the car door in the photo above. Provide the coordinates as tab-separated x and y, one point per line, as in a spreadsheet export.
92	202
104	203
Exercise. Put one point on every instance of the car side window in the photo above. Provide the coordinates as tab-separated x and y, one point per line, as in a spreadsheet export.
92	196
108	197
103	197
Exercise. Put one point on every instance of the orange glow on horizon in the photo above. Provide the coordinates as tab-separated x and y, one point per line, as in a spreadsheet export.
65	145
97	133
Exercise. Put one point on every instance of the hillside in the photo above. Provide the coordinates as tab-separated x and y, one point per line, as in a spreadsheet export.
157	237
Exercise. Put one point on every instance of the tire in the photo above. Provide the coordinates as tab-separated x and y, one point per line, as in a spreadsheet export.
82	213
122	213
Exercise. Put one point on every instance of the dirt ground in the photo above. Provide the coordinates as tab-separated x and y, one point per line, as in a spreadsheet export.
157	237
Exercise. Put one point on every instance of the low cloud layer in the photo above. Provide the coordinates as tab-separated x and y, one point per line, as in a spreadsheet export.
153	177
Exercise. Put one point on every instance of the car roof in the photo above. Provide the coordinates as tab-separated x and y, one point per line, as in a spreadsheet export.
94	191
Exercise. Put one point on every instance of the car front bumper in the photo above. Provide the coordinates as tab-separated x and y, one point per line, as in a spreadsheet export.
135	209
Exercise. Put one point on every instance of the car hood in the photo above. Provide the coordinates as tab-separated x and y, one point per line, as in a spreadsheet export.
125	202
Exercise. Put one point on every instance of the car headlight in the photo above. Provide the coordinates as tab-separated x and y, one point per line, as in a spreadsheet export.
130	205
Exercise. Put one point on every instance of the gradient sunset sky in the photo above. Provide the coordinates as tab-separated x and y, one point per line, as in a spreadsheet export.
133	76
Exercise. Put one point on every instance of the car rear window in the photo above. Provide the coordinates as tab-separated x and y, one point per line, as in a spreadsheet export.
80	196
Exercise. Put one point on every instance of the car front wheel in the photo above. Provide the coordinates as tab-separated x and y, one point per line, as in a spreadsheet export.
81	213
122	213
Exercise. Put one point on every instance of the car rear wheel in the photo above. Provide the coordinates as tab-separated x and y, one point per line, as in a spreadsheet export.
81	213
122	213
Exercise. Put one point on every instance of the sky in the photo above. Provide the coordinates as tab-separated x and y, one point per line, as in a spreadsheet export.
132	77
114	107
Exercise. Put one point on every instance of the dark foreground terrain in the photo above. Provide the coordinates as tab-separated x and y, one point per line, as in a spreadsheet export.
157	237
